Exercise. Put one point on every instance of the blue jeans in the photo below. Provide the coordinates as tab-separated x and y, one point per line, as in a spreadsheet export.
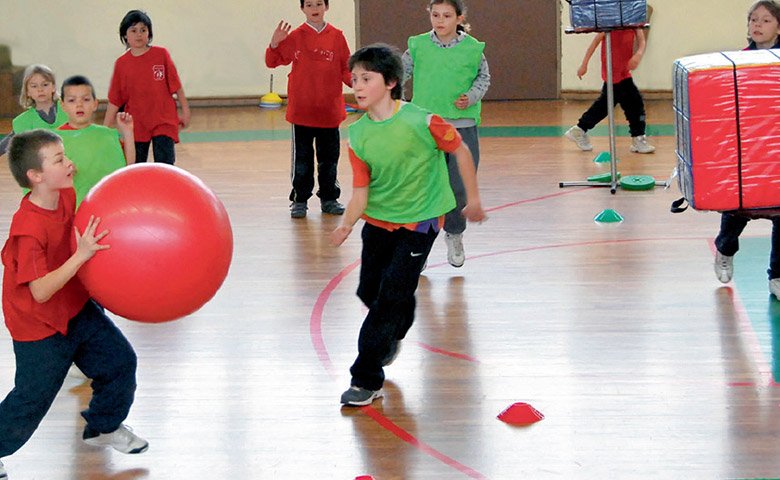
454	221
98	348
727	241
389	274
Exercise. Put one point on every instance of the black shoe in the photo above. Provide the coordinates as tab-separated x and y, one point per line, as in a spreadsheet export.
298	210
332	207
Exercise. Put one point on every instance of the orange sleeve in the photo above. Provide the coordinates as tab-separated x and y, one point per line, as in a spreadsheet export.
446	136
361	173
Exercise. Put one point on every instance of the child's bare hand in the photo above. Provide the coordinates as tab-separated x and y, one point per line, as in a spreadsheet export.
87	244
184	120
633	62
280	33
582	71
124	122
340	234
474	213
462	102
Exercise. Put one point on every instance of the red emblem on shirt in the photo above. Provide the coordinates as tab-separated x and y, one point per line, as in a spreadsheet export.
159	72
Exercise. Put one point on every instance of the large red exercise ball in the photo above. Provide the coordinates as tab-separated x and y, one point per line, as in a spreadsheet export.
170	238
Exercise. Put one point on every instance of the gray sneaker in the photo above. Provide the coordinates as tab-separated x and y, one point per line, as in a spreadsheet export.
724	267
332	207
580	137
3	474
122	439
298	210
359	397
639	145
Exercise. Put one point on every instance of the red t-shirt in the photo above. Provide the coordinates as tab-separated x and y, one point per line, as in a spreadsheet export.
38	243
622	50
145	85
319	67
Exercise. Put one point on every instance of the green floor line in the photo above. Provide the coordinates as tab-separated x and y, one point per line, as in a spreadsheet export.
763	309
487	132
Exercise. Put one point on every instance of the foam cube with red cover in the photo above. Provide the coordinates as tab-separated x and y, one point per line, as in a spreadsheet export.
727	121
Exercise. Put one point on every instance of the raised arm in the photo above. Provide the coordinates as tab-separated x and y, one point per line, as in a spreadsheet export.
124	123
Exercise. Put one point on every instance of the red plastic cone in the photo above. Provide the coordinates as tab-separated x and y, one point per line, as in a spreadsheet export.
520	414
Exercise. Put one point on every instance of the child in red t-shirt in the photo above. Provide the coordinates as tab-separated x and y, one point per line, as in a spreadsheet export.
51	318
144	82
315	104
628	47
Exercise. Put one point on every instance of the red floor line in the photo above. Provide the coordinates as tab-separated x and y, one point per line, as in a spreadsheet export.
399	432
448	353
315	321
536	199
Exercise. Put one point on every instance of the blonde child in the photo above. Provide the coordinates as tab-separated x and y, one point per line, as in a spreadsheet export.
764	31
144	82
39	98
450	76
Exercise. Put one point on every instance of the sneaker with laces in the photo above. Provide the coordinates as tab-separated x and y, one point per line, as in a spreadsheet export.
298	209
774	289
639	145
580	137
332	207
359	397
122	439
3	474
455	253
724	267
395	349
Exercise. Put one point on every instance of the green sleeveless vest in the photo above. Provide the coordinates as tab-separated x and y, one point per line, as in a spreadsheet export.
30	120
95	152
409	179
441	75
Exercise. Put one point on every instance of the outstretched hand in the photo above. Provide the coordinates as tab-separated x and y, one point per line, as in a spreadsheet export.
87	244
124	122
280	33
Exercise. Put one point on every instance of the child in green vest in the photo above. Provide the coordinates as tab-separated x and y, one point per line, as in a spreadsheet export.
401	190
95	150
39	98
450	77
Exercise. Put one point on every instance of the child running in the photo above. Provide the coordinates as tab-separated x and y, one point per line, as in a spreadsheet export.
401	190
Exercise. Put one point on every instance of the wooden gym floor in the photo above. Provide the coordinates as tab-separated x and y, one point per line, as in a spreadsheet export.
642	363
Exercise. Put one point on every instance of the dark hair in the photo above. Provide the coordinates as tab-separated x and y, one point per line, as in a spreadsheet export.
131	18
75	81
770	5
24	153
460	9
304	1
381	58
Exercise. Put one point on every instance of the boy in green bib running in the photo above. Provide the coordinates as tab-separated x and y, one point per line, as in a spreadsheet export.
401	189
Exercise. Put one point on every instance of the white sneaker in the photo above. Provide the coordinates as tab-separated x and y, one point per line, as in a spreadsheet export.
774	289
639	145
455	253
724	267
580	137
122	439
3	474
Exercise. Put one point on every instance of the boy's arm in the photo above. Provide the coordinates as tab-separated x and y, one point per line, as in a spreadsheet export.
276	53
124	123
110	119
184	118
408	63
589	53
44	288
641	43
355	208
